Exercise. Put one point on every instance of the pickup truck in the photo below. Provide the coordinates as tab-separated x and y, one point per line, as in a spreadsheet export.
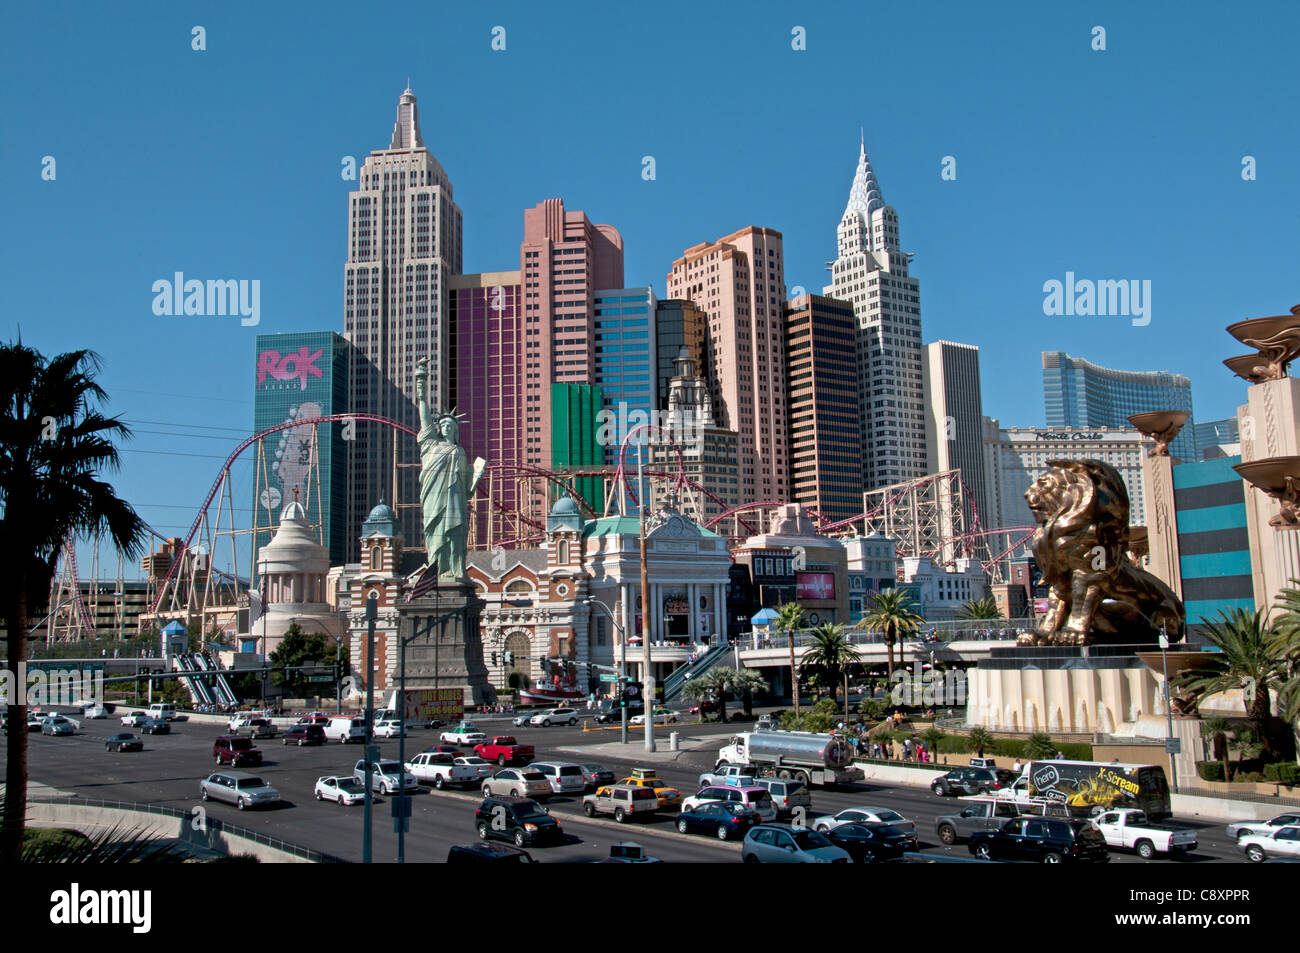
728	774
504	749
443	770
976	814
1129	828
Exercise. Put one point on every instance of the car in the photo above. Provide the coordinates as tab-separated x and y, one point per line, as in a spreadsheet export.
669	796
134	719
1048	840
342	790
565	777
487	854
261	728
1240	829
724	821
1283	842
784	844
36	718
505	749
869	843
237	788
454	750
316	718
58	725
442	770
873	815
971	781
596	775
977	814
123	741
555	716
621	800
154	726
787	795
753	797
241	721
433	723
521	721
519	819
301	734
705	707
95	712
520	782
465	733
235	750
386	777
615	712
662	716
390	728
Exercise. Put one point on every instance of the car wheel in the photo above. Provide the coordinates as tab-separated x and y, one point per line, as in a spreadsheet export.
948	834
218	760
941	789
321	797
301	742
983	852
482	831
590	809
1255	854
204	794
546	723
573	721
487	790
242	804
438	782
1146	850
681	827
619	815
783	774
822	828
1051	857
751	858
722	832
501	760
284	741
519	839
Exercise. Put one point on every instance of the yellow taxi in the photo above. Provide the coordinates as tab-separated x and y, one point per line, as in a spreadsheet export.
646	778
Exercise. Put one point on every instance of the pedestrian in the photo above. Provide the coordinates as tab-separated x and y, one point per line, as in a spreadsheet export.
1060	756
1016	768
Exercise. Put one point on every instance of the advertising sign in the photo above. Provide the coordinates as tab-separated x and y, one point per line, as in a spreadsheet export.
422	704
814	585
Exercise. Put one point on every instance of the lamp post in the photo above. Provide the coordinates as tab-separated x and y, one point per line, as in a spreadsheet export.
622	662
1170	741
647	678
372	614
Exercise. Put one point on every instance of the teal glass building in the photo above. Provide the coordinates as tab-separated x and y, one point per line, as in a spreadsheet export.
1213	544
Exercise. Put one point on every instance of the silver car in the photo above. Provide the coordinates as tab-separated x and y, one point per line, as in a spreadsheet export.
238	788
564	776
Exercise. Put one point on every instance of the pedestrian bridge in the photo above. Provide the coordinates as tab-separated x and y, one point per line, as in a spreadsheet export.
965	642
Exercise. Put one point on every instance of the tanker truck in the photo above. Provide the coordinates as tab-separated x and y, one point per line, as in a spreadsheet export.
805	756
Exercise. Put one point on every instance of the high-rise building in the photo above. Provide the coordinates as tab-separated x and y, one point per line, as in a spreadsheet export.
301	376
404	243
678	324
575	445
821	382
486	351
955	421
1216	439
871	273
739	282
1014	457
1213	541
626	362
1078	393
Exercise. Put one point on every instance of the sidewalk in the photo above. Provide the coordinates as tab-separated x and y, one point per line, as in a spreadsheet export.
635	748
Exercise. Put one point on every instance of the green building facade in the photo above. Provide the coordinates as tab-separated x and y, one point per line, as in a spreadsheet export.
574	426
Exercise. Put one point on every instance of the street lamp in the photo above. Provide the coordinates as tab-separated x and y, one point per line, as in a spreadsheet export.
1172	744
622	660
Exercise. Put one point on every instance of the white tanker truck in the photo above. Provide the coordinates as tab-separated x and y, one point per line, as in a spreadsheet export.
805	756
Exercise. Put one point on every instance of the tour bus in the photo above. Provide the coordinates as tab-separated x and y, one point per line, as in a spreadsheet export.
1089	787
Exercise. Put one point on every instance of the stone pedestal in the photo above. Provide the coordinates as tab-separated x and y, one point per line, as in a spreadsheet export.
1268	429
451	654
1162	526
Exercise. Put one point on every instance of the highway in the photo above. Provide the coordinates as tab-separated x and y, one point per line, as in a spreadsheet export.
168	772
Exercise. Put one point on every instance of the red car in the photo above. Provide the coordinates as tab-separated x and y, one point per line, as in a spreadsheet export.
504	749
452	750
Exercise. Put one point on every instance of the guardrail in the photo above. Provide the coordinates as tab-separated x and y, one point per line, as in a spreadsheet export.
211	824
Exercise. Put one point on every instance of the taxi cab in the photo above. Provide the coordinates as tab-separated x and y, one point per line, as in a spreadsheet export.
647	778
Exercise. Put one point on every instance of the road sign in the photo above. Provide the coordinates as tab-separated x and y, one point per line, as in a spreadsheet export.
1174	745
321	678
608	678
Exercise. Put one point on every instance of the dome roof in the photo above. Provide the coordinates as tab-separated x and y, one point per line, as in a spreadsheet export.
382	511
565	506
294	511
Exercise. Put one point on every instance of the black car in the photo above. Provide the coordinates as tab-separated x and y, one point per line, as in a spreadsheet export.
972	781
487	854
613	713
156	726
1045	840
438	723
520	819
724	821
870	843
303	735
125	741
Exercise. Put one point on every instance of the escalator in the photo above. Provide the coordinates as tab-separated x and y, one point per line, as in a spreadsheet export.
198	691
678	677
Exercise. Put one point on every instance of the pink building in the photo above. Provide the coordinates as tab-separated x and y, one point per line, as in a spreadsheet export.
739	282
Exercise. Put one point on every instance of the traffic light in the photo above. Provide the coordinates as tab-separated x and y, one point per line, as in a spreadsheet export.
494	658
510	658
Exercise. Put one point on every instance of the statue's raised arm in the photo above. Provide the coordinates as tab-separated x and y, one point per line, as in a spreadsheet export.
427	419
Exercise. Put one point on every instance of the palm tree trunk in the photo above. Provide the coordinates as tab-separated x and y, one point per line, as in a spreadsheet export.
794	676
889	647
846	695
15	806
1260	710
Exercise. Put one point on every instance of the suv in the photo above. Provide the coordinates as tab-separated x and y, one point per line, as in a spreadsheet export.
985	814
786	795
301	734
972	781
235	750
555	716
520	819
564	776
621	800
1048	840
487	854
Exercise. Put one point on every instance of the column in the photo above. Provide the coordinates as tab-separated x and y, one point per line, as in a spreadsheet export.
693	600
1268	429
1162	525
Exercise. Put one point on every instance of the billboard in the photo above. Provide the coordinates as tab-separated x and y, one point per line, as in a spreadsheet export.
422	704
814	585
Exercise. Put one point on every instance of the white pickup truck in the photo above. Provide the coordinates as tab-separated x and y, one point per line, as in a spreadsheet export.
443	770
1129	828
738	774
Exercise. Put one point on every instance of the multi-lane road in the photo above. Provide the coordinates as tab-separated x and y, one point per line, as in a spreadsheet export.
169	769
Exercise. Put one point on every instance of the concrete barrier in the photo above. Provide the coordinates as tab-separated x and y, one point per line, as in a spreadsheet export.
894	774
1226	809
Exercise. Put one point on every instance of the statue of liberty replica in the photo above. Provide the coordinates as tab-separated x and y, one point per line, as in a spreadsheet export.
447	483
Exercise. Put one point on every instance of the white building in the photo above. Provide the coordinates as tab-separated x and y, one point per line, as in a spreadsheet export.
943	592
292	568
871	272
1015	457
872	565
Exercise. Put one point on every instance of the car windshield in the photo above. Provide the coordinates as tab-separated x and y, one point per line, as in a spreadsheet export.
388	767
249	783
240	744
351	785
809	840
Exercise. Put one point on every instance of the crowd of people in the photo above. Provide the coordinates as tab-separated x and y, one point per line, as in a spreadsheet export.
506	709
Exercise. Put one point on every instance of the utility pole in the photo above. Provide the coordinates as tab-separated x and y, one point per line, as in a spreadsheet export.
647	678
1171	743
622	660
372	613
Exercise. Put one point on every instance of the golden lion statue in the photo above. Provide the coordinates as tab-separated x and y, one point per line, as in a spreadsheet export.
1081	545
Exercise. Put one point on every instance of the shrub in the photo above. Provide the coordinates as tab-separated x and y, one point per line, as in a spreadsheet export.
1254	776
1039	747
1283	772
1210	770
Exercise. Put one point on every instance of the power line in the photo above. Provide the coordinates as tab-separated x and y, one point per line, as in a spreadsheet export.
179	453
171	423
203	397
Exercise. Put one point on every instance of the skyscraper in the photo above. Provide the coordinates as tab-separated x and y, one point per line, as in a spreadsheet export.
1078	393
739	282
871	273
404	243
1216	439
822	388
626	365
678	324
955	420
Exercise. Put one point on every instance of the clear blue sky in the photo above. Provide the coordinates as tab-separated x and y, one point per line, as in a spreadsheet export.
225	163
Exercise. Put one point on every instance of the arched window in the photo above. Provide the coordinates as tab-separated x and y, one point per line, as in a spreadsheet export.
376	558
563	557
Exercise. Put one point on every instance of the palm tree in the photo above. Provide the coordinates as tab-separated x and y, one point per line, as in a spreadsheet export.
789	617
1286	646
53	445
1247	659
1216	729
890	612
985	608
716	682
980	739
832	653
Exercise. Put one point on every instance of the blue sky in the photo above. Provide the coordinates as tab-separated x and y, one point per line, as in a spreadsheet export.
225	163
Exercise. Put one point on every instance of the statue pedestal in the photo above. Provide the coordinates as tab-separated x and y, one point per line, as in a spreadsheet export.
451	655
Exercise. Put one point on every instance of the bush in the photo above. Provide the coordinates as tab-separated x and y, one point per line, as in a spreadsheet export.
871	708
1254	776
1210	770
1283	772
1039	747
1010	748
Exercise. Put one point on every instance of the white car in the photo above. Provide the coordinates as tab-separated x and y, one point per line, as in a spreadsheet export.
662	716
1240	829
869	815
386	777
390	728
1283	842
96	712
346	791
555	716
135	719
466	733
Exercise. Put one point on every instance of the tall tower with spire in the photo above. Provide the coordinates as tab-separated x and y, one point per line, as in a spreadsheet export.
404	244
871	273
